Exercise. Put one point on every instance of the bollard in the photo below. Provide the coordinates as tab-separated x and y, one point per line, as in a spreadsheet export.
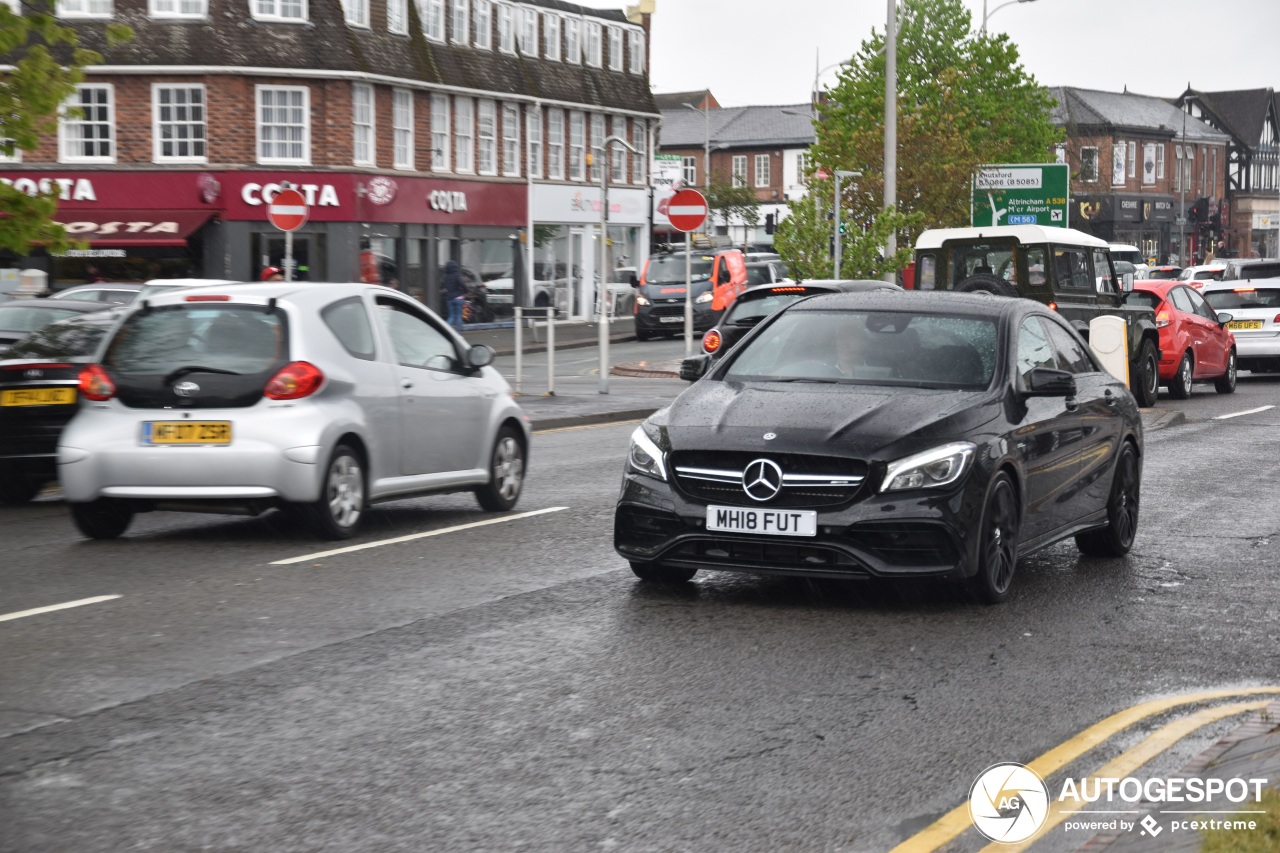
519	346
551	351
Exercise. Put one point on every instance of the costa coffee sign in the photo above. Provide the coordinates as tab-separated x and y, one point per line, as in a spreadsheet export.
74	189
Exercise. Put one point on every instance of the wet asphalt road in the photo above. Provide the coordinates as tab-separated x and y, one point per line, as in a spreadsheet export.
512	687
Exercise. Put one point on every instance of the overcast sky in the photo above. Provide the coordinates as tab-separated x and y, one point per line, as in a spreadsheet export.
764	51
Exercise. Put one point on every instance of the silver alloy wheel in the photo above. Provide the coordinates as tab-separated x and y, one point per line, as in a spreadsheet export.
1184	375
508	468
345	491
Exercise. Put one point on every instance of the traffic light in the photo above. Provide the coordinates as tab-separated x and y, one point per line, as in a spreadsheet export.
844	227
768	223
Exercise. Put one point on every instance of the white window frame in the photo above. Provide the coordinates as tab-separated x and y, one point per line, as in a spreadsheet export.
506	28
157	124
432	19
279	10
1177	167
593	43
460	21
511	140
689	170
640	158
1160	161
1213	175
738	167
464	134
1132	153
398	17
1188	164
402	128
66	126
618	153
551	32
172	9
573	40
577	147
635	41
482	24
533	129
555	144
616	43
363	132
764	171
529	31
305	158
356	13
597	137
441	133
86	8
486	137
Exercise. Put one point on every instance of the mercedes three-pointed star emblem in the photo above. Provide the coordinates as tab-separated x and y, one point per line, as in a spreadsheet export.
762	480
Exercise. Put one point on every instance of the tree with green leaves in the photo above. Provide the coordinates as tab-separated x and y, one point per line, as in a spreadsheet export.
804	240
963	99
47	62
731	203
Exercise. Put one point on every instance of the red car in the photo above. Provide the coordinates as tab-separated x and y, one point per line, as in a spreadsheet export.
1194	346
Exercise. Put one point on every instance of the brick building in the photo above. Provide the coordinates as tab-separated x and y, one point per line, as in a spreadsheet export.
763	147
419	131
1138	165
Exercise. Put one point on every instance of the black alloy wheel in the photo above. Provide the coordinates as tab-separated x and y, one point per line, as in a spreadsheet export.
1180	386
658	573
998	542
101	519
1116	538
1226	383
1145	375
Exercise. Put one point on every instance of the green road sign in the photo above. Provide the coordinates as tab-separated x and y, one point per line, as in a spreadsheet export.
1021	194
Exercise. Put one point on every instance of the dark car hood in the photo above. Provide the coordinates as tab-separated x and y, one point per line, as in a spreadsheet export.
861	421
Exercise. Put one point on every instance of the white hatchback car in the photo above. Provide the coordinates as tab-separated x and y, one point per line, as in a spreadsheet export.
1254	307
315	398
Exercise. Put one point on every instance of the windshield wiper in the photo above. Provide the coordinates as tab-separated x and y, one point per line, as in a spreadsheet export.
183	371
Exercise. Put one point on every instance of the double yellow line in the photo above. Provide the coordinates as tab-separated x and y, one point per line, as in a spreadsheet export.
957	821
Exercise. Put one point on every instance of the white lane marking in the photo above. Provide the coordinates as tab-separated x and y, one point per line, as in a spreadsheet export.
1239	414
412	536
35	611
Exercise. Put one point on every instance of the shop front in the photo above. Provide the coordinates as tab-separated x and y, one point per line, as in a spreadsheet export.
397	230
1145	221
566	249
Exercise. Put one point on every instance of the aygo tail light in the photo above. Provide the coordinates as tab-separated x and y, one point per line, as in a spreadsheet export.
95	384
294	381
711	341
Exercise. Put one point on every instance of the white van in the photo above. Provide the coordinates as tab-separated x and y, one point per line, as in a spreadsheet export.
1132	254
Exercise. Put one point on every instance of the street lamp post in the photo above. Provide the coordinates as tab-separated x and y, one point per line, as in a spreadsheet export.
840	173
706	140
603	287
986	14
891	129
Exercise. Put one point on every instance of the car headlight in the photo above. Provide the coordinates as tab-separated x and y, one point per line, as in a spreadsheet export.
644	456
704	297
640	300
931	469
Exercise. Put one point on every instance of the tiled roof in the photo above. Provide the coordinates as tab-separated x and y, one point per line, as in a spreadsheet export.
232	38
788	125
1127	111
1242	112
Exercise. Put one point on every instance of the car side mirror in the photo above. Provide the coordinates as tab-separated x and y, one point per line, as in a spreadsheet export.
1126	282
694	367
480	355
1046	382
1224	318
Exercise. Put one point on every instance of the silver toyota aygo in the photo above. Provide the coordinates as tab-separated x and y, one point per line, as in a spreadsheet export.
317	399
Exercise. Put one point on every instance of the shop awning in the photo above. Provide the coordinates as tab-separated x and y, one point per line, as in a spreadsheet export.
133	228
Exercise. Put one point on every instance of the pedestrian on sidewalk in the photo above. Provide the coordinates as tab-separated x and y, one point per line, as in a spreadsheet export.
455	291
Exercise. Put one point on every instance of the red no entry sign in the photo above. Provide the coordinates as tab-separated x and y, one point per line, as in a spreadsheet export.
687	210
288	210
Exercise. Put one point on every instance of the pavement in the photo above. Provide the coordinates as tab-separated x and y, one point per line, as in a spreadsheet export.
638	388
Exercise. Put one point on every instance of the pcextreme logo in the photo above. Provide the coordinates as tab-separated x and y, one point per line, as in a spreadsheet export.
1008	803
